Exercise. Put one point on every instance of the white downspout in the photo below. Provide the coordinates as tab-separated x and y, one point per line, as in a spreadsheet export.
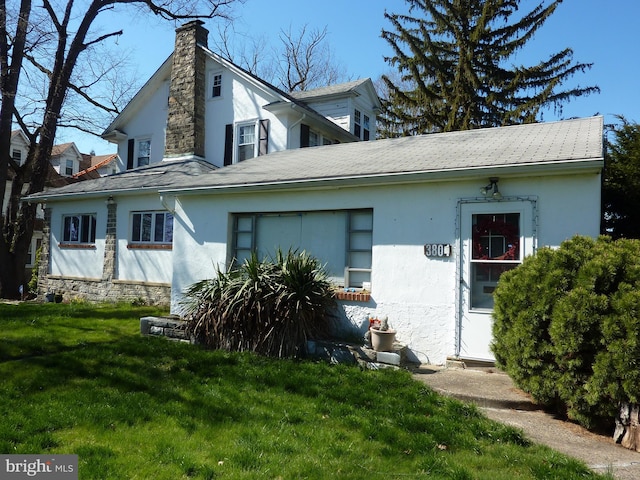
304	115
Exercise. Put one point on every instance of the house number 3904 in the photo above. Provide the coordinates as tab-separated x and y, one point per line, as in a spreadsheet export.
437	250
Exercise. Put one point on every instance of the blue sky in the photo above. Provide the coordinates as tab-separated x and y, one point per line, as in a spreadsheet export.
602	32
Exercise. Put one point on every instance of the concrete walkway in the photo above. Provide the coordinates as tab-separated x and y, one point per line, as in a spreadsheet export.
494	392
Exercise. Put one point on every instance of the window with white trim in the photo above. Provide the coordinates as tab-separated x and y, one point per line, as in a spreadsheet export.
216	84
144	152
357	123
154	227
16	154
80	228
365	128
68	168
341	239
246	141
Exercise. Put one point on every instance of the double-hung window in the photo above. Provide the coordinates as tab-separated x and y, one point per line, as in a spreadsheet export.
246	141
152	228
365	128
314	139
216	85
144	152
68	169
357	123
16	154
79	228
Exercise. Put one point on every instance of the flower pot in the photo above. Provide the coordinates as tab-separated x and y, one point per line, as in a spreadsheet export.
382	340
49	297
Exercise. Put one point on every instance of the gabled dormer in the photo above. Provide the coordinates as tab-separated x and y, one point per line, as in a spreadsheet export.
353	106
19	147
65	159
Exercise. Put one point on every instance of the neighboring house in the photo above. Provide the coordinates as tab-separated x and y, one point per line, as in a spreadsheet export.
66	159
96	166
65	162
19	150
417	228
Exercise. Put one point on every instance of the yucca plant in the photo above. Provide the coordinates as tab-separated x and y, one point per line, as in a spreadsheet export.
270	306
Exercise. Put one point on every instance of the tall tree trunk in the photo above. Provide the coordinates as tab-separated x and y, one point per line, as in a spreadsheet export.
10	276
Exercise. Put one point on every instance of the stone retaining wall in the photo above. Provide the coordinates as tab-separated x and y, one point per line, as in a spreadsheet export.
333	352
170	327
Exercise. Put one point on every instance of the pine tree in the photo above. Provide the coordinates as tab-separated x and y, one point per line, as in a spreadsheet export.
453	60
621	182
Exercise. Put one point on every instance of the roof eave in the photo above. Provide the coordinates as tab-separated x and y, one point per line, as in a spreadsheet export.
593	166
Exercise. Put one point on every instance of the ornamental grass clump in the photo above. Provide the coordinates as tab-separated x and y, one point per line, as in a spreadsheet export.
567	327
270	306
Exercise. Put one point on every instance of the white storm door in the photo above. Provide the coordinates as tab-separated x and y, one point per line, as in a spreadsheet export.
494	238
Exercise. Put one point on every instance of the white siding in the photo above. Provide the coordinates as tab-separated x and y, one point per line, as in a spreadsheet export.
239	102
417	293
149	122
77	262
143	265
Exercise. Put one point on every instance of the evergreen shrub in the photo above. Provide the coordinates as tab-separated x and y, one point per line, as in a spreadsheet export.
270	306
567	323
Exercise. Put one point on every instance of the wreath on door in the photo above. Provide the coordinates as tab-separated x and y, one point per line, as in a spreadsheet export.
494	226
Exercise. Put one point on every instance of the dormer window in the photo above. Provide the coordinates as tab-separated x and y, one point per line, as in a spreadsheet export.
68	169
365	130
314	139
357	123
16	154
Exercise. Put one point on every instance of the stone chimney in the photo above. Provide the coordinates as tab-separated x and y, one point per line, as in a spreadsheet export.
185	122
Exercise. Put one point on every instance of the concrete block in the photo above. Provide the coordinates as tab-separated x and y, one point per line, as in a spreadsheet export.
145	323
388	358
154	330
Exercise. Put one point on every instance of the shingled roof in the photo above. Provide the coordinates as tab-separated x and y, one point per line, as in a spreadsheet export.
340	88
569	144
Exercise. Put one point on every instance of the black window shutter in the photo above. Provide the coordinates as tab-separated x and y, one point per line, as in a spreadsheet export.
264	137
130	150
304	135
228	144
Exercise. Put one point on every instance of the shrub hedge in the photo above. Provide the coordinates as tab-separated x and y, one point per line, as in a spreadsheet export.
567	326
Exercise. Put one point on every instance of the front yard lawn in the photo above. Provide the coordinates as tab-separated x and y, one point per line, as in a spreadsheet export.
80	379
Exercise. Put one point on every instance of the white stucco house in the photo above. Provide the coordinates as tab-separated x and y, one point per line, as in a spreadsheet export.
427	224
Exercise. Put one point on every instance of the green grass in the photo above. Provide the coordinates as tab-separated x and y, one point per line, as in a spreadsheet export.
80	379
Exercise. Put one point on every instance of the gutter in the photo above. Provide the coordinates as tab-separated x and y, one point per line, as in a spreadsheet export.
45	197
427	176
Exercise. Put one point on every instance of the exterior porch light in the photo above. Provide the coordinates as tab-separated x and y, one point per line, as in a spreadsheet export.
491	190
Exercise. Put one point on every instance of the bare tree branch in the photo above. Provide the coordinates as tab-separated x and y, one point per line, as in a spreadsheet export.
47	92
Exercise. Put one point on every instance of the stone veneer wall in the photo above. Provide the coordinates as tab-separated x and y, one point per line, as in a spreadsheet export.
185	121
97	290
